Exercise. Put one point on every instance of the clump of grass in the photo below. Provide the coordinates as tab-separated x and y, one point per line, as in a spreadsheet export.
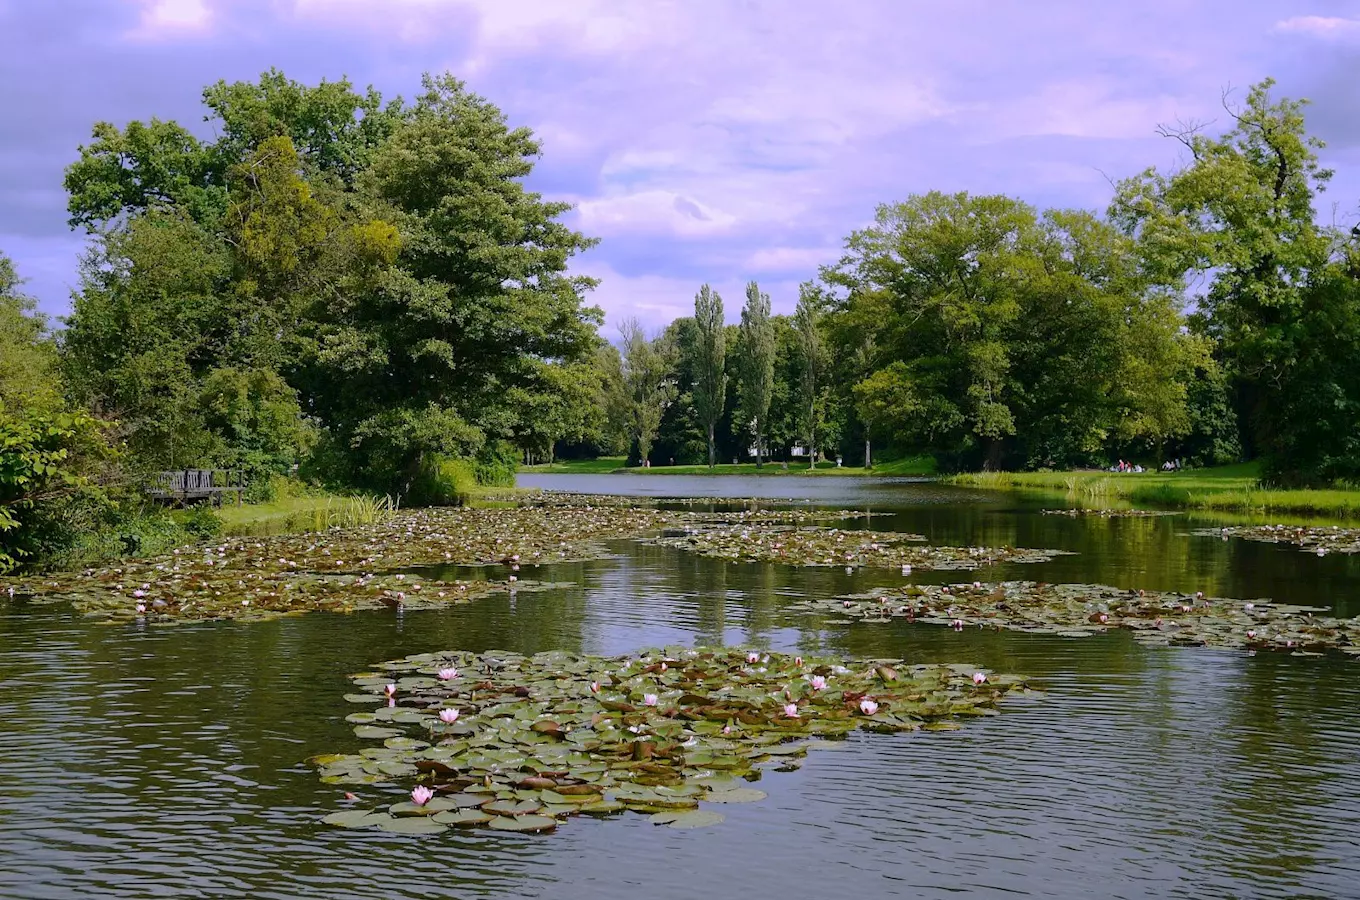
349	512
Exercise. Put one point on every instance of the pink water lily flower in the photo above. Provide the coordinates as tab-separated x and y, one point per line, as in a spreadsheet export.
798	661
390	690
791	710
448	716
139	593
818	683
753	658
649	699
868	707
594	687
420	795
979	678
448	674
141	607
1251	634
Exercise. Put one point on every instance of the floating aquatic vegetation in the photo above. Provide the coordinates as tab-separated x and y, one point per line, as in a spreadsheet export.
1312	539
1078	512
837	547
164	594
539	739
755	511
1077	610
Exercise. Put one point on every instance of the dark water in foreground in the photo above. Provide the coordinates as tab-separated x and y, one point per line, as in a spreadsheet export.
169	762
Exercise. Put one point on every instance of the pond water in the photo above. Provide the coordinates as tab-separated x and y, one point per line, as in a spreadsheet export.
169	762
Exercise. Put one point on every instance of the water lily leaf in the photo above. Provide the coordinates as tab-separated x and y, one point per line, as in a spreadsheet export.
463	818
373	731
411	825
412	809
523	823
735	795
699	818
354	818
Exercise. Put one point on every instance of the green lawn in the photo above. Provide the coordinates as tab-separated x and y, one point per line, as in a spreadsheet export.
1234	488
919	465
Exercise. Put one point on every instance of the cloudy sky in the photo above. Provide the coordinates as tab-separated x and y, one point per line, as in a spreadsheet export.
702	140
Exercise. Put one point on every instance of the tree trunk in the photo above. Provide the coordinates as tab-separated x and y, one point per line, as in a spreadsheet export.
868	460
994	455
812	434
710	445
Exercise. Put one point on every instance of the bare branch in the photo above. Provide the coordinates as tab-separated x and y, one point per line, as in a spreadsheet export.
1185	131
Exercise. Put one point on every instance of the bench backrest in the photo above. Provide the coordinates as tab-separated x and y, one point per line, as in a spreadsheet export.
182	480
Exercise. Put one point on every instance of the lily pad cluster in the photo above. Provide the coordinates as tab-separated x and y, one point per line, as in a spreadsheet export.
516	743
1082	511
1078	610
753	511
194	588
838	547
1313	539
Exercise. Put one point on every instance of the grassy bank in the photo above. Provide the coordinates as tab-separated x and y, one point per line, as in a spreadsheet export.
912	466
1235	488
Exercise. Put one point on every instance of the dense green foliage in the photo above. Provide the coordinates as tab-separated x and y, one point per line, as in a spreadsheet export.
359	290
363	289
1207	318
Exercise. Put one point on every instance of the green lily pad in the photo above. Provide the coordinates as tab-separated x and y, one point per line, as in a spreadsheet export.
354	818
699	818
533	824
411	825
735	795
463	818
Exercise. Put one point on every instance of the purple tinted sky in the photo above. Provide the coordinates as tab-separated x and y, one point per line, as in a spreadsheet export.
703	140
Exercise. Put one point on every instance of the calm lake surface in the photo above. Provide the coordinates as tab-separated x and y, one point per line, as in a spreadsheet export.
169	762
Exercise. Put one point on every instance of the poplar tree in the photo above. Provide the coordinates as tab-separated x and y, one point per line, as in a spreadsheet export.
710	352
756	365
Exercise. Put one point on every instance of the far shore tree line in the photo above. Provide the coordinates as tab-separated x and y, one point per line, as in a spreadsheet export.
1206	317
363	293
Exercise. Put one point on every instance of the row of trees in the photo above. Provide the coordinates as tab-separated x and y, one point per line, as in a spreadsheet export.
1207	315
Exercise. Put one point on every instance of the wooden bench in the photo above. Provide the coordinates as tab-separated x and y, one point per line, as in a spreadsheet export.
184	485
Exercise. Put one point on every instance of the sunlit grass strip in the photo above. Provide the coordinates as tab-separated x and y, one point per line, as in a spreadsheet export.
1230	488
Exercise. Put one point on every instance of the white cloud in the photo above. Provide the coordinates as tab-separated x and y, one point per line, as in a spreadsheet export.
800	261
652	212
172	18
1329	27
1089	108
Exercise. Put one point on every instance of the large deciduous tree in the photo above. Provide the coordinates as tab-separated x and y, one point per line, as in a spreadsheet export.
1280	298
1004	337
648	384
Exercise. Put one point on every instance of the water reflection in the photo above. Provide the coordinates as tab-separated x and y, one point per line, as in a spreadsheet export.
147	762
